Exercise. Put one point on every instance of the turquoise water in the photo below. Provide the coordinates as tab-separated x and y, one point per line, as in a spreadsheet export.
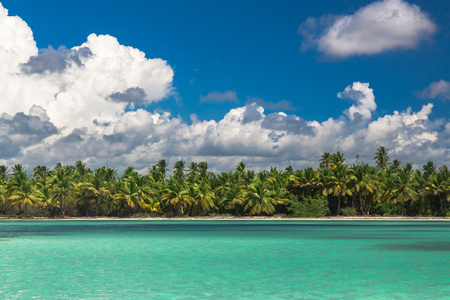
224	260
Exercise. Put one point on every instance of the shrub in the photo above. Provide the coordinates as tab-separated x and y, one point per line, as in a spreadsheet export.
308	207
384	209
349	212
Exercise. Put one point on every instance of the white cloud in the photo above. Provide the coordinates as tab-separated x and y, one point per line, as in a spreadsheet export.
217	97
95	81
365	100
437	89
378	27
70	104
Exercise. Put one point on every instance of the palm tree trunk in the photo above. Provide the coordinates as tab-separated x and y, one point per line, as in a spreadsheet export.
96	208
361	203
63	209
339	205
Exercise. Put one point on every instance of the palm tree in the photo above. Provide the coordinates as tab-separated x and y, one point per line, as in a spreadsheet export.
98	186
40	172
44	187
439	185
364	182
80	171
3	173
259	198
203	196
403	187
162	167
193	170
22	190
381	157
63	188
179	168
277	186
133	193
177	195
235	197
324	181
339	185
395	164
305	180
325	160
337	159
429	168
240	167
203	168
289	169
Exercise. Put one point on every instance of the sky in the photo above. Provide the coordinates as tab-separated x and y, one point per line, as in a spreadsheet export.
269	83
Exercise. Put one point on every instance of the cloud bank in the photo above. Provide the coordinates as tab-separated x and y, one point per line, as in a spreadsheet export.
62	105
378	27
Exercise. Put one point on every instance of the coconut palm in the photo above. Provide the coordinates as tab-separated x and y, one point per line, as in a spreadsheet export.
364	182
277	186
337	159
259	198
63	189
22	190
395	164
162	167
404	187
203	168
40	172
235	197
193	170
305	180
439	186
325	160
339	184
133	194
203	196
179	168
381	157
429	168
324	180
177	195
240	167
98	186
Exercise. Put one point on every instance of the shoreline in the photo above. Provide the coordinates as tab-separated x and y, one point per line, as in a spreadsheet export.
153	219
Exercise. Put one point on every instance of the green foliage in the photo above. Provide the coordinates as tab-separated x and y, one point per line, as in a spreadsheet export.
349	212
309	207
76	190
387	209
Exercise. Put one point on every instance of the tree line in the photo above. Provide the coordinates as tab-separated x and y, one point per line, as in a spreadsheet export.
333	188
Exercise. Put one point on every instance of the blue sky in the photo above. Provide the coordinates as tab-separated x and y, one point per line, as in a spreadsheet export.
242	51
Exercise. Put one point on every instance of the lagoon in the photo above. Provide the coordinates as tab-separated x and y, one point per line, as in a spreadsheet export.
224	260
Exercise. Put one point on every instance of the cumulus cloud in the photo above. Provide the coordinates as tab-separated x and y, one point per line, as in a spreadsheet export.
378	27
21	130
364	98
51	60
217	97
437	89
69	104
97	80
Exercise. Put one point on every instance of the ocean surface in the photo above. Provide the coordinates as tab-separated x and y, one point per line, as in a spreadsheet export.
224	260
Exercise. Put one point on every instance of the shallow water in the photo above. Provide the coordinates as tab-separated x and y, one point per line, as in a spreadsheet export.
224	260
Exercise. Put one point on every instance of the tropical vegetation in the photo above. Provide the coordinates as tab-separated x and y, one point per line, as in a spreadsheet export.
333	188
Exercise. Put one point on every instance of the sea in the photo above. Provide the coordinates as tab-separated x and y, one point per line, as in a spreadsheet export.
224	260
